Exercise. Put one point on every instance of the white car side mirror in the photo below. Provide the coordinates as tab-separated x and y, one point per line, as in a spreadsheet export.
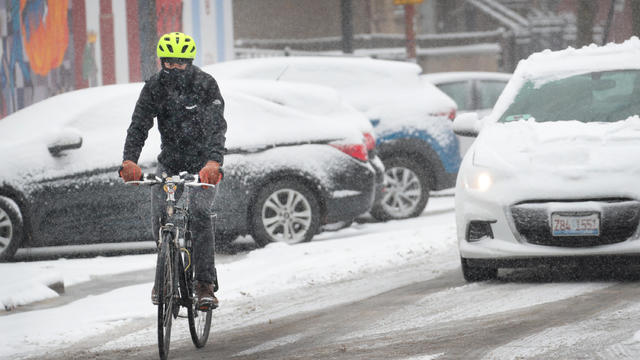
65	139
467	124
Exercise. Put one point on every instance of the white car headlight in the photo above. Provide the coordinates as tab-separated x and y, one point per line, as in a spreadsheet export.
484	181
479	180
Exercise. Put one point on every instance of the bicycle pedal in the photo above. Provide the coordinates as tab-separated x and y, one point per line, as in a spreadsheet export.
183	313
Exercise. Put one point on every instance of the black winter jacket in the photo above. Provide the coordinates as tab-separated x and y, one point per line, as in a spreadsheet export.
190	119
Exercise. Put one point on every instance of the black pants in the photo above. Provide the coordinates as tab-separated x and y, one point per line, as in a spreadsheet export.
200	210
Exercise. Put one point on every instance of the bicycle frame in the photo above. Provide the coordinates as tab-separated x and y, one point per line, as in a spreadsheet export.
174	270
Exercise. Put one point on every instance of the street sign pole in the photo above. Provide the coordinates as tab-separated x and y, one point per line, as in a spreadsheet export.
410	27
409	15
346	10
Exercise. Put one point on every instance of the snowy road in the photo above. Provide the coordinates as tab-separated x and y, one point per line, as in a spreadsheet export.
373	291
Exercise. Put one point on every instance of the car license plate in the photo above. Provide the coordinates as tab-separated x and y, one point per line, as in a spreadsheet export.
571	224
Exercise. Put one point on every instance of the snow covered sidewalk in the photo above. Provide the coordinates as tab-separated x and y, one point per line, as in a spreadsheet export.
332	257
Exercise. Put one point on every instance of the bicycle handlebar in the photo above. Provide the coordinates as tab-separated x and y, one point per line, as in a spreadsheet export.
182	178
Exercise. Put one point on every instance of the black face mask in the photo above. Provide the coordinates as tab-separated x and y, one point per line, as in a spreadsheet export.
174	77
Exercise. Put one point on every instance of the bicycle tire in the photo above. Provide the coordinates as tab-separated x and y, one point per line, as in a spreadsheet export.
164	288
199	321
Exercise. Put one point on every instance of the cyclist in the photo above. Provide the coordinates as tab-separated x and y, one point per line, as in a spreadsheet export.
189	109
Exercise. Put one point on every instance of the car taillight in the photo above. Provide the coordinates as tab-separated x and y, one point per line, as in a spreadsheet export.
358	151
369	141
452	114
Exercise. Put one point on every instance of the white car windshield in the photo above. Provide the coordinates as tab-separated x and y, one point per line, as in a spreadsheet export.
592	97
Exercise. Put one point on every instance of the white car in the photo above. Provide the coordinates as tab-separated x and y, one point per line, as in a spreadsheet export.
411	119
473	91
553	174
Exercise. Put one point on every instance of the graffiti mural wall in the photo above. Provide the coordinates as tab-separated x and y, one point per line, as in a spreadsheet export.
48	47
35	52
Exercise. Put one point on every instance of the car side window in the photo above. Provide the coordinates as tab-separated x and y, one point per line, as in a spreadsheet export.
487	93
460	92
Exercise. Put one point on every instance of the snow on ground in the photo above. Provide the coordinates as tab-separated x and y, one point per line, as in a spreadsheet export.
448	305
593	333
333	257
27	282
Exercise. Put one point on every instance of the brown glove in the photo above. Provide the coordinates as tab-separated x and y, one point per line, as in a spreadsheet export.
130	171
210	173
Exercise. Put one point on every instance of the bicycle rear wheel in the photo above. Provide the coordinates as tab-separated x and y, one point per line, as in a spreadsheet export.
199	321
164	288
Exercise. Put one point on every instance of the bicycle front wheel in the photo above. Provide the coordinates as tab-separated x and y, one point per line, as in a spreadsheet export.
199	321
164	288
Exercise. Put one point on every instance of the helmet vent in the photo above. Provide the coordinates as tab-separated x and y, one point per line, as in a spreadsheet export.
187	40
184	49
161	48
170	48
177	39
193	49
167	39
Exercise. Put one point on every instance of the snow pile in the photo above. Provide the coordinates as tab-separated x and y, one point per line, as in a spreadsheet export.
27	282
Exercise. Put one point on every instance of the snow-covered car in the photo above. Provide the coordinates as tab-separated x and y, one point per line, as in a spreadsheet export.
473	91
552	177
59	183
411	119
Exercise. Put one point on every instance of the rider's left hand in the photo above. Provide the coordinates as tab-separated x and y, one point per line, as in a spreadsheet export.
210	173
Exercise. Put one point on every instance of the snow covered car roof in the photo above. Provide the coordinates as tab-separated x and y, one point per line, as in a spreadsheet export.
101	115
361	68
389	91
444	77
550	65
368	84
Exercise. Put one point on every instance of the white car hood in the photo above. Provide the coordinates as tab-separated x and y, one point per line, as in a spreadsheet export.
562	157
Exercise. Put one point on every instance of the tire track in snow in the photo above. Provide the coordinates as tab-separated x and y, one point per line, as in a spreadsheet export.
475	301
609	334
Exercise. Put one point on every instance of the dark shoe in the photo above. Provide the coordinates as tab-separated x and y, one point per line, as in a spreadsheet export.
154	296
206	299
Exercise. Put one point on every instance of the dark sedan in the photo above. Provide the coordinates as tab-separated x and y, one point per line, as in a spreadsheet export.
59	183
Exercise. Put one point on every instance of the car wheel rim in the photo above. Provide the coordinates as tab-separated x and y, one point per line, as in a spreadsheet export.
286	216
6	230
403	192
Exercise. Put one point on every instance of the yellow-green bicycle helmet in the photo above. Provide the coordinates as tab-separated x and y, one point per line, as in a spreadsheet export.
176	45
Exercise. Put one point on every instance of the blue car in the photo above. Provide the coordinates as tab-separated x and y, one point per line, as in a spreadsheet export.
411	118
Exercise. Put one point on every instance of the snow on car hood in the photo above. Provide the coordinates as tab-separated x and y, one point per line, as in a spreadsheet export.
570	149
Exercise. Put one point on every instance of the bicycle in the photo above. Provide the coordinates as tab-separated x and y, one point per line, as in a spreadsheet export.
174	279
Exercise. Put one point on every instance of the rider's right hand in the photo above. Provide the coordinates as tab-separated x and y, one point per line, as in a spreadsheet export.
130	171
